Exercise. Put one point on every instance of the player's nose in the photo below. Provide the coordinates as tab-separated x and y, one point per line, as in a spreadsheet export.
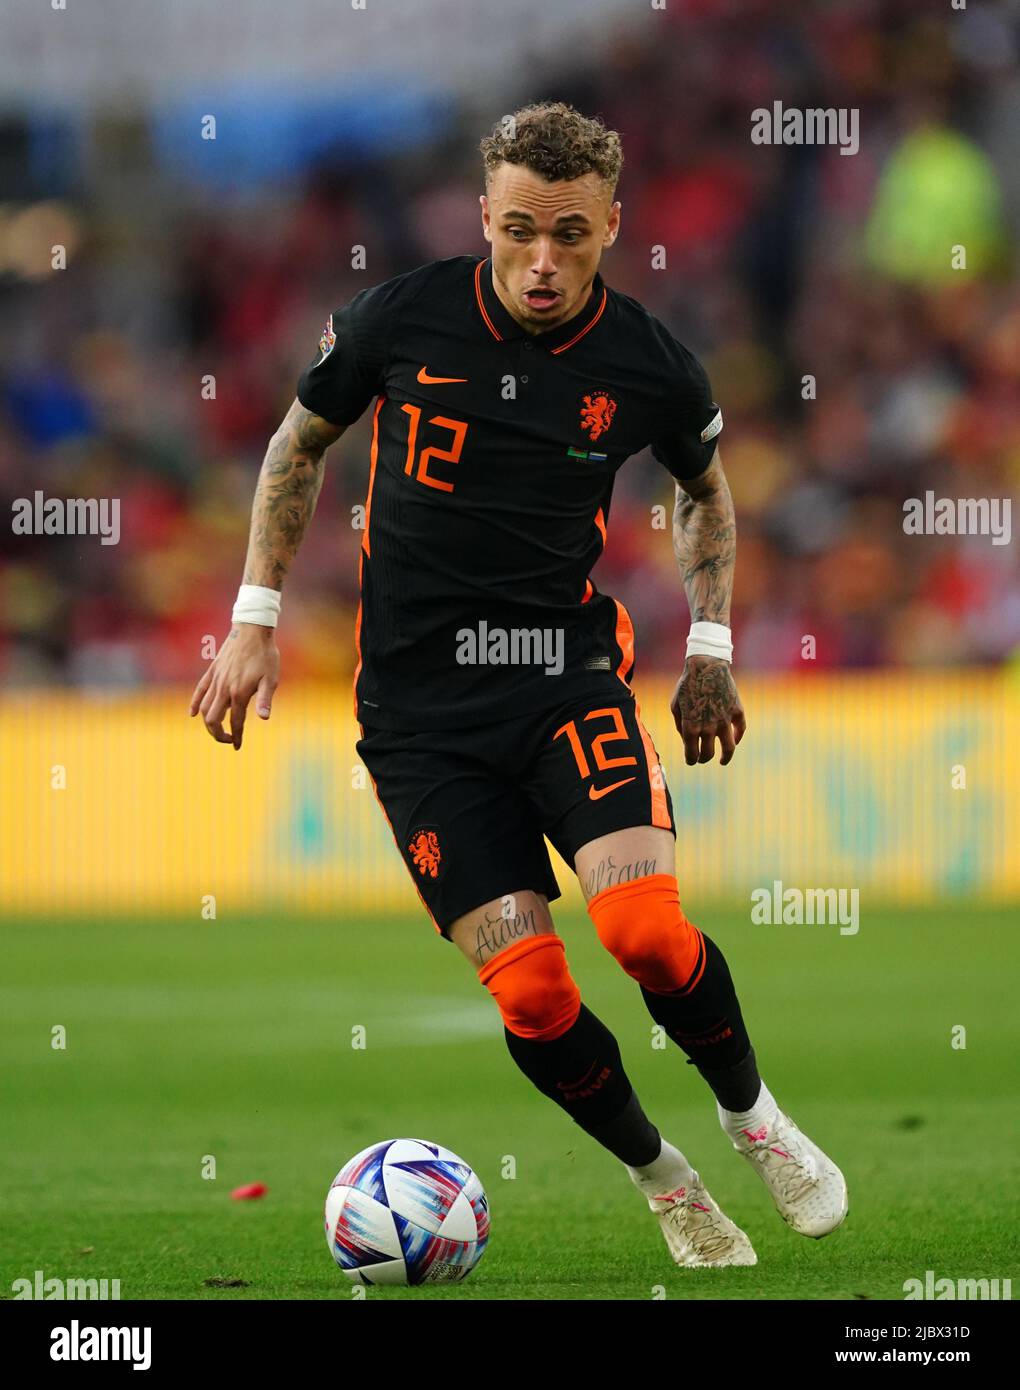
543	263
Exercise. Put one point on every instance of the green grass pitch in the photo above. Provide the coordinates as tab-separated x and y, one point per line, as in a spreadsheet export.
233	1039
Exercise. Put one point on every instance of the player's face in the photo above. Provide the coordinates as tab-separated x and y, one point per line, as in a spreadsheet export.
547	241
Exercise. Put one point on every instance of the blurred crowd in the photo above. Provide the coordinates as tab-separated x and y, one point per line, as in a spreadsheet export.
859	317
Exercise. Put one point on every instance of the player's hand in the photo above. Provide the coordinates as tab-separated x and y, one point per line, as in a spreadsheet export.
706	707
247	664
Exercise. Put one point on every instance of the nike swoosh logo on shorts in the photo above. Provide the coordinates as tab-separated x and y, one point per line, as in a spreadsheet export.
594	793
426	380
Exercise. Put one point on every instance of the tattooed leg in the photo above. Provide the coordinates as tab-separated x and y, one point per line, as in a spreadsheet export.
561	1046
490	929
633	900
623	857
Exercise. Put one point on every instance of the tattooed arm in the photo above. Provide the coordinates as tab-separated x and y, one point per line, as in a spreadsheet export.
705	704
288	487
287	491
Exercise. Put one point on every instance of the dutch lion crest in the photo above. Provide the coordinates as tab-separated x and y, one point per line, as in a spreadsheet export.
597	411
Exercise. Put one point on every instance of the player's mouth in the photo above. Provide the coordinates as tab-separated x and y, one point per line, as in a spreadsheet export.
542	298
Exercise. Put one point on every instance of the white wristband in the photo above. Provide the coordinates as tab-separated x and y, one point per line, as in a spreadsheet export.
256	604
710	639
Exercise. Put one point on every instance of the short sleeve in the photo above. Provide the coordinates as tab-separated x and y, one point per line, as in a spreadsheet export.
347	371
687	442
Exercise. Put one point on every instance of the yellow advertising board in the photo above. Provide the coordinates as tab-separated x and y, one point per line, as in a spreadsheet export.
904	786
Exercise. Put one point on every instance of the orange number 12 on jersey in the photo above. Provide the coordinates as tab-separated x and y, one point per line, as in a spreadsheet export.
452	455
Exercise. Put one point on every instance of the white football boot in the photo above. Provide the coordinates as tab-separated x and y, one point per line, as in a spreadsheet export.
808	1189
698	1234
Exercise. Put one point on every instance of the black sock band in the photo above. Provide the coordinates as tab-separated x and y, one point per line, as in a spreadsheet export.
582	1072
735	1088
631	1136
707	1024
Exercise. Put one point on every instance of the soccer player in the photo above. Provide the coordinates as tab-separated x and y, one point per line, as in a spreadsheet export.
492	687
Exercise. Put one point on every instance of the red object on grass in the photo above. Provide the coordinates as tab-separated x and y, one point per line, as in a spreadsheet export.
252	1189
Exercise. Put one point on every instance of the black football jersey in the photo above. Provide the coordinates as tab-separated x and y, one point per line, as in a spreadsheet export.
492	464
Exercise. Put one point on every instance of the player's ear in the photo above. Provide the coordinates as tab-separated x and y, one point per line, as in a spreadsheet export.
486	217
612	225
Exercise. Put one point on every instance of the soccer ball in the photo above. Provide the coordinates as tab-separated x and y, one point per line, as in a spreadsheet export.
406	1212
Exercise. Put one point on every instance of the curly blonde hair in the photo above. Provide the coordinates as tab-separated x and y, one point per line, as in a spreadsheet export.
555	141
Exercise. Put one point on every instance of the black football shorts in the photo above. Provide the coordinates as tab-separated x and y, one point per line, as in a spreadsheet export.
469	807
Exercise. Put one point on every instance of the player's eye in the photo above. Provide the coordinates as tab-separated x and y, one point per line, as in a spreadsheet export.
570	237
518	233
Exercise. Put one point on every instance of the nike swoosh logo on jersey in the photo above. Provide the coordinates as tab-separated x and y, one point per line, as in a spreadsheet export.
426	380
594	794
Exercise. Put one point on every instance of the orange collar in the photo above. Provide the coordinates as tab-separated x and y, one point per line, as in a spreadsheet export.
505	328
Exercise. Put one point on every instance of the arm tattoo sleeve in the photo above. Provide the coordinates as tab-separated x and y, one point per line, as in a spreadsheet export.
285	497
705	543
